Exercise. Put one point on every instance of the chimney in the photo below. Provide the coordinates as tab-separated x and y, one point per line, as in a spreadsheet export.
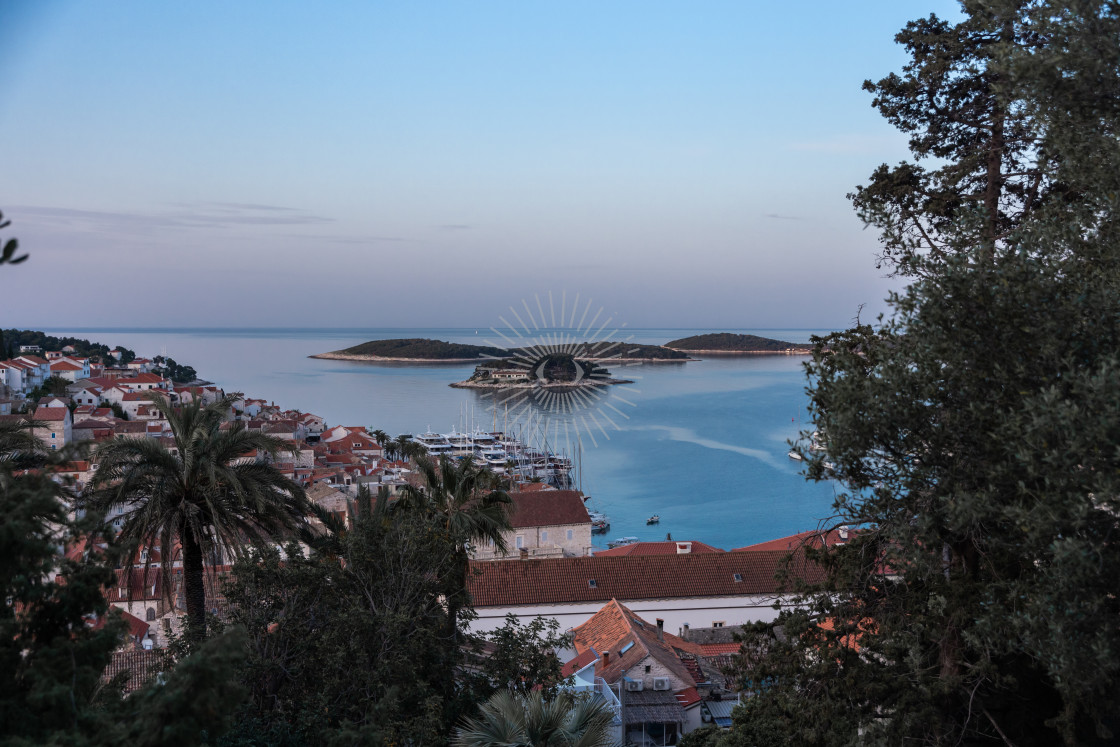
660	629
606	659
683	548
524	553
844	532
684	633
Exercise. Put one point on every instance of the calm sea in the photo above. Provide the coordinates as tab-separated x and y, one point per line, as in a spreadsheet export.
703	444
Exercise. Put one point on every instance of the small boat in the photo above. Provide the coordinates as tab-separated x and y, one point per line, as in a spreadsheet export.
655	519
796	456
621	542
600	524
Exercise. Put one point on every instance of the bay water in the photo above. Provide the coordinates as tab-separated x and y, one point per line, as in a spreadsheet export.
703	444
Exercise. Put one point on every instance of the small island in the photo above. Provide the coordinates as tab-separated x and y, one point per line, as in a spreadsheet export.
414	350
552	371
728	343
421	350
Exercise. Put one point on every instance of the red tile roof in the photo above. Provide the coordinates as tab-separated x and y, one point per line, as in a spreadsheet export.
657	548
567	580
688	696
65	366
145	586
140	665
548	508
51	413
813	538
533	487
628	639
144	378
578	663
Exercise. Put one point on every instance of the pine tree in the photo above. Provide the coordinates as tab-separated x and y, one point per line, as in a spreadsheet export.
972	434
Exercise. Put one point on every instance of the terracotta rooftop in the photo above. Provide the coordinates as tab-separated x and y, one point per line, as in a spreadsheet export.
548	508
599	579
534	487
813	538
51	413
140	665
578	663
622	640
668	547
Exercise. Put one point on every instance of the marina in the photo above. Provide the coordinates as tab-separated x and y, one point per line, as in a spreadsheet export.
704	445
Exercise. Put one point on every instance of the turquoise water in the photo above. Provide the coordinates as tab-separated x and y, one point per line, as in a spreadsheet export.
703	444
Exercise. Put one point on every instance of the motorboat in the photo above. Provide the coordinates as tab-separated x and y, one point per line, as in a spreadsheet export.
655	519
622	542
600	523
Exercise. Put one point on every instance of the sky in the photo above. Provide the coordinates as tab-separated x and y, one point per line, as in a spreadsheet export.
374	164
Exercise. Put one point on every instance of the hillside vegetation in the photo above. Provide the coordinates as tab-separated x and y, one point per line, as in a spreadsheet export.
729	342
418	347
424	349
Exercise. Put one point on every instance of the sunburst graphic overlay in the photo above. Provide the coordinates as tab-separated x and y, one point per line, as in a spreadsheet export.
537	342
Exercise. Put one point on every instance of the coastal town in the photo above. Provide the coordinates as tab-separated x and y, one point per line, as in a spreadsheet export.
651	625
568	374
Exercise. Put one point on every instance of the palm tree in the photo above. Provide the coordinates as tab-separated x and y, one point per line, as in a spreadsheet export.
381	437
19	447
403	446
467	505
209	492
509	719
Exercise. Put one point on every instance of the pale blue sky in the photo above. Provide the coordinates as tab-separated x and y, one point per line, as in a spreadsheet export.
416	164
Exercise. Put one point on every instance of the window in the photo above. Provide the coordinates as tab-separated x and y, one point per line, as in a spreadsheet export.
151	614
738	577
544	536
592	583
571	534
519	542
648	668
717	624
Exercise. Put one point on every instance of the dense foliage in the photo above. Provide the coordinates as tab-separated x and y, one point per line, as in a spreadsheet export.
83	348
200	493
354	641
177	372
537	720
973	434
733	343
57	632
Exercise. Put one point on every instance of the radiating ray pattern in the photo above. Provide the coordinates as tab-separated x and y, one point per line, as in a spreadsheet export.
563	416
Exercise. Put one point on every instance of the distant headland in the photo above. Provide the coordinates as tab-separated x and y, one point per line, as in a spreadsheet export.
420	350
415	350
728	343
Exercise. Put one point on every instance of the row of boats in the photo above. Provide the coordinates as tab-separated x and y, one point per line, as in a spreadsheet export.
501	453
